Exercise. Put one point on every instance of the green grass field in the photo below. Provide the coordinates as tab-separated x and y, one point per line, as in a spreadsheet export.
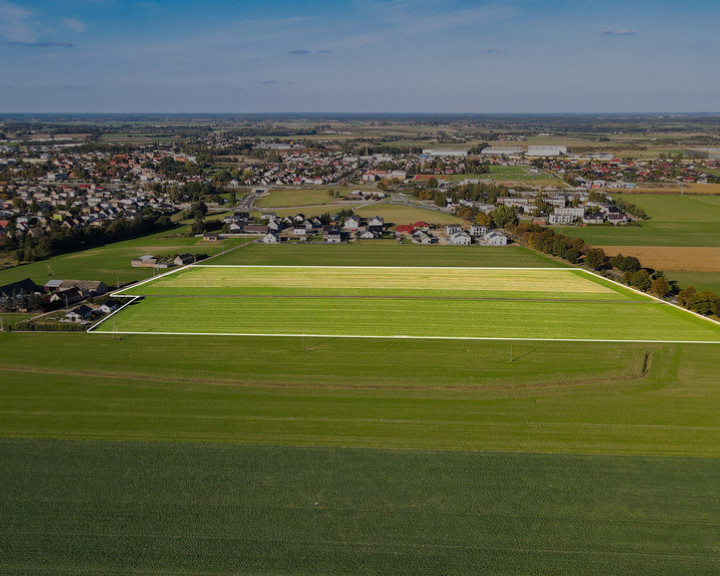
513	174
375	254
699	280
399	302
674	220
191	455
283	198
584	398
110	262
406	214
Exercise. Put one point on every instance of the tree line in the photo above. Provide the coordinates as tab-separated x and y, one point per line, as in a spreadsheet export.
633	274
61	240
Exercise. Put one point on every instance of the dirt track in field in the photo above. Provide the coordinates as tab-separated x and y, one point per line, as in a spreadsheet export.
671	258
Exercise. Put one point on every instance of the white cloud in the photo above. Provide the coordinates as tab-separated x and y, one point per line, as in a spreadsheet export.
74	24
15	25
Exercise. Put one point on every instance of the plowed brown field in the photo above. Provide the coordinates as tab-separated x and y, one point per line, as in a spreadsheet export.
681	259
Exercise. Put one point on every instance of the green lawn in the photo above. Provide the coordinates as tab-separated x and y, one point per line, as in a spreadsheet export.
185	509
110	262
674	220
387	255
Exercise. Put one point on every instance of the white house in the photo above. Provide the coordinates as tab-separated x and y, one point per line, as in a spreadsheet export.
352	223
496	238
451	229
376	222
109	306
78	314
477	230
461	239
270	238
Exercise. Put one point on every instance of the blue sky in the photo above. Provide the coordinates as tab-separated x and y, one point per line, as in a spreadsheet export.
359	56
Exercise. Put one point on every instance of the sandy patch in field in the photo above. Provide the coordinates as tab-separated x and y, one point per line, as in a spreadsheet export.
680	259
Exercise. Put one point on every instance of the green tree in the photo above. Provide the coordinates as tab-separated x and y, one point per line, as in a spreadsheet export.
685	296
705	303
503	216
595	258
659	287
198	225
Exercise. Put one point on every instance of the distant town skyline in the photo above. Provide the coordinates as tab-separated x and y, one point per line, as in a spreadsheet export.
365	56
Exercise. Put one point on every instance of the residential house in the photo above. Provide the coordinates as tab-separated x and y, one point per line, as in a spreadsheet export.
478	230
78	314
352	223
184	259
271	238
108	307
460	239
496	238
255	229
420	237
333	236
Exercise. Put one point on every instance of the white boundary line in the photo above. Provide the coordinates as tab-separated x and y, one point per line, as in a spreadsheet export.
571	269
646	294
117	293
92	328
405	337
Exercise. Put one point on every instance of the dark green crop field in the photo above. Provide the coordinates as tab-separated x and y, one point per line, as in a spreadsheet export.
184	509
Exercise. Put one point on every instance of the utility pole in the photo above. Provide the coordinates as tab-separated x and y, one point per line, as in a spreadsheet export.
67	306
303	340
511	352
2	328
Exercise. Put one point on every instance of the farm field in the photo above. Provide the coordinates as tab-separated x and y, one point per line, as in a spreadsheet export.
465	282
397	214
310	197
675	220
587	398
376	254
666	258
700	280
193	455
512	174
403	302
110	262
204	509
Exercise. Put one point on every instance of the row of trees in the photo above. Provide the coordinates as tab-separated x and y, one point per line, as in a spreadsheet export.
63	240
633	274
